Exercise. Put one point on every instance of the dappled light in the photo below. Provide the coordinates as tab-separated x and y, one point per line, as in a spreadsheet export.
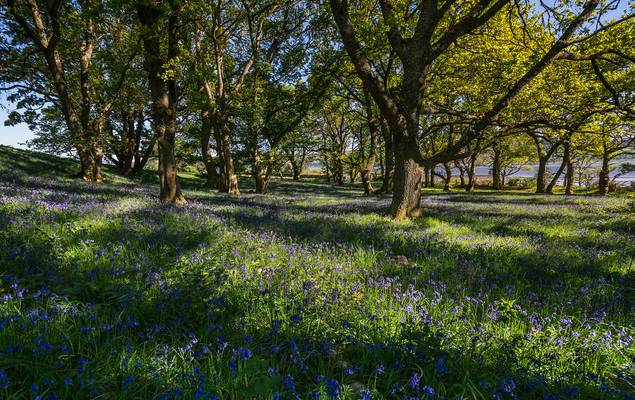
107	292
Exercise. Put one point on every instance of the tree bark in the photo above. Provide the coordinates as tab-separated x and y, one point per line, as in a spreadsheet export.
543	159
387	183
448	177
141	159
471	173
367	168
496	168
406	200
231	181
565	160
603	182
297	169
568	189
208	160
163	97
458	165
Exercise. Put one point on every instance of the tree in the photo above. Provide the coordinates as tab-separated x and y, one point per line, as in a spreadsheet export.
159	29
57	54
418	44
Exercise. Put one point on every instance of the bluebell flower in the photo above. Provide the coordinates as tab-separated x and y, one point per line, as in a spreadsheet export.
233	366
441	366
244	353
4	380
127	381
288	383
332	388
365	395
414	381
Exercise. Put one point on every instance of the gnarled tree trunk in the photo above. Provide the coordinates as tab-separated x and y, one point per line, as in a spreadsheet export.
406	200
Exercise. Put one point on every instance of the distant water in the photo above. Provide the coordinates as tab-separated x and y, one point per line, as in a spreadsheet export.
530	171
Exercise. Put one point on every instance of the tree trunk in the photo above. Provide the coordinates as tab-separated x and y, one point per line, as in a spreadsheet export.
458	165
565	160
297	170
426	177
126	153
142	159
389	160
568	189
208	160
352	174
258	170
543	159
222	181
471	174
541	176
367	168
231	181
261	178
448	177
163	98
406	199
603	183
496	168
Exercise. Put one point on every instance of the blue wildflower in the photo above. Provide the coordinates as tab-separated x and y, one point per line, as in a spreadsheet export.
332	388
233	366
244	353
4	380
441	366
414	381
288	383
127	381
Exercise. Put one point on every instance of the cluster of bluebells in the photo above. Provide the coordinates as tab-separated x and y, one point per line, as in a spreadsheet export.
304	296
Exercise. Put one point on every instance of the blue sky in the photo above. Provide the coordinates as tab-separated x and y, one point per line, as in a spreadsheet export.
12	135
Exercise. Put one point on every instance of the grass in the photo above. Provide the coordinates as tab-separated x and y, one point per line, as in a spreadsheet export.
310	292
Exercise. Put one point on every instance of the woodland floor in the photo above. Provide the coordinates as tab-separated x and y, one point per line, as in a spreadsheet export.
308	292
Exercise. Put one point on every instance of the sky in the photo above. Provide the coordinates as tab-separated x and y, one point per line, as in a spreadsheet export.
12	136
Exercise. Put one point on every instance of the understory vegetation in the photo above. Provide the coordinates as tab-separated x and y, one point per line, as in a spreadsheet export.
309	292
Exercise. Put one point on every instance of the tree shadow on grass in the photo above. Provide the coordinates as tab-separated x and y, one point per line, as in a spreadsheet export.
155	307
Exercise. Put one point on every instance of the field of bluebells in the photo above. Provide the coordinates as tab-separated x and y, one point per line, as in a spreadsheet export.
308	293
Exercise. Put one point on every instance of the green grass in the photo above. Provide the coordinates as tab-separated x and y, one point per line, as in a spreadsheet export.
106	293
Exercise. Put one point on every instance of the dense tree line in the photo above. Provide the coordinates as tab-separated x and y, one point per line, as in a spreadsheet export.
395	94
